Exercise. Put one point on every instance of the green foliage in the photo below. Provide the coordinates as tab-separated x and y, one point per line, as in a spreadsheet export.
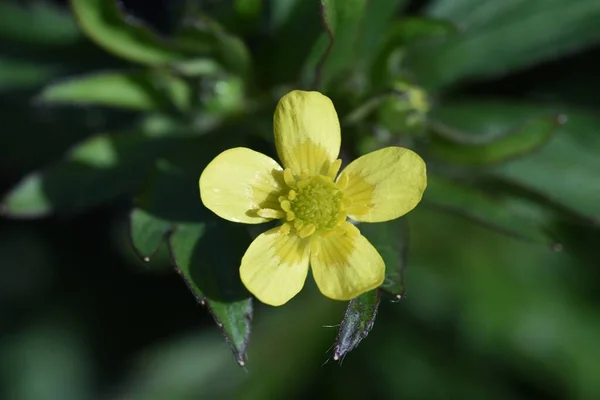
83	131
143	91
502	36
104	23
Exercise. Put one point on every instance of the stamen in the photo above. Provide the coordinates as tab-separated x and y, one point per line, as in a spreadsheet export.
286	205
289	216
285	229
342	181
291	195
288	177
270	213
307	230
334	168
303	183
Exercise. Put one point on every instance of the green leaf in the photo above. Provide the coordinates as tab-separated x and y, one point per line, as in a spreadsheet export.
104	23
18	74
472	148
99	169
501	36
357	323
565	171
505	215
207	256
391	241
336	49
376	21
39	23
200	34
403	34
144	91
147	232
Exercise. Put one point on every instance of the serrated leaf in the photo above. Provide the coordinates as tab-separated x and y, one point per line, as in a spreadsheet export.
391	240
207	256
455	146
141	90
99	169
501	36
565	171
357	323
103	22
505	215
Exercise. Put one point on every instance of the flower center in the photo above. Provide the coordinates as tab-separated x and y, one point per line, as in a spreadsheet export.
313	204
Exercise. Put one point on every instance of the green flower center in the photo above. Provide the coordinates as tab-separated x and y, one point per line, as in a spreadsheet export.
318	201
313	204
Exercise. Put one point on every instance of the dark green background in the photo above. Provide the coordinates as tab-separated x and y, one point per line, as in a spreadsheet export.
486	316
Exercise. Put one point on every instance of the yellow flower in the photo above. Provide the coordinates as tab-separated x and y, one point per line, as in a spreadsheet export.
313	202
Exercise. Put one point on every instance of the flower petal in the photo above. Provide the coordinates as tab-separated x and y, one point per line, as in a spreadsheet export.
275	266
307	132
239	182
346	266
384	184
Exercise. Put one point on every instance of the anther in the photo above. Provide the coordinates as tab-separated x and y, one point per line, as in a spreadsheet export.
286	205
307	230
288	177
334	168
285	229
270	213
292	194
303	183
342	181
289	216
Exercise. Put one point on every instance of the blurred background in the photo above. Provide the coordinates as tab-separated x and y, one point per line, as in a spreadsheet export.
498	305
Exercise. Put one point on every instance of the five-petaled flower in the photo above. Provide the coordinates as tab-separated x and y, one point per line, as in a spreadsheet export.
313	201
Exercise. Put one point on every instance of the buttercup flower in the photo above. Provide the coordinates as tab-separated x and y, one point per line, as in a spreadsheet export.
313	201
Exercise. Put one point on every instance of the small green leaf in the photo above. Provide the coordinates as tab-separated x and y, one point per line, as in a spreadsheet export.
104	23
458	147
357	323
391	241
97	170
506	215
147	232
27	199
502	36
207	256
144	91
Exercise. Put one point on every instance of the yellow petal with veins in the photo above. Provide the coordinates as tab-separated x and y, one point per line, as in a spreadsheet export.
384	185
275	266
345	266
239	182
307	132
